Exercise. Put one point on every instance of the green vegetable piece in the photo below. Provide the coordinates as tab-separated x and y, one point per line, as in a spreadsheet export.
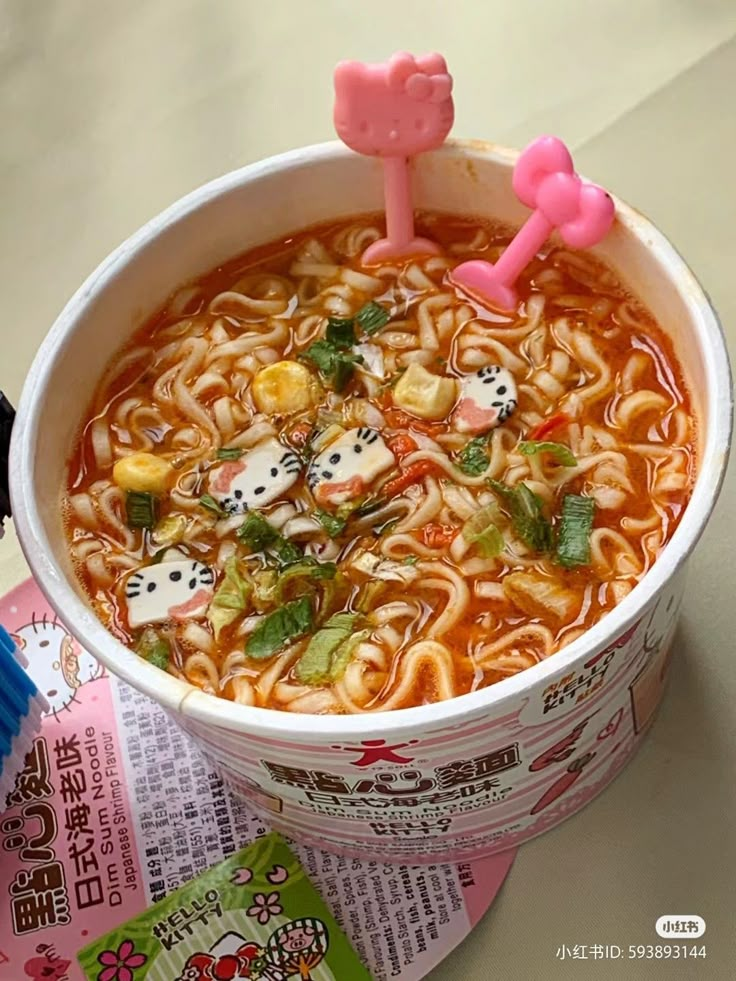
315	664
559	451
372	317
280	628
141	509
207	501
257	533
480	530
411	559
331	523
154	648
308	569
340	332
231	598
344	654
576	524
229	453
527	516
259	536
331	355
473	459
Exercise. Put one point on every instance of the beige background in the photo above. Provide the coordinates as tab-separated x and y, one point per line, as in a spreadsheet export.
110	109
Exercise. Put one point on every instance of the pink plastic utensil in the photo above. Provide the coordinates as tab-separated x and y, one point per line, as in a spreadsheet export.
544	179
394	110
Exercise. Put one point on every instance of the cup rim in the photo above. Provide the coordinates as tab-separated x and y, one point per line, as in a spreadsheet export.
210	711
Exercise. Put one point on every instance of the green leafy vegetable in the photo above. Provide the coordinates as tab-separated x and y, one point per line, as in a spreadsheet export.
331	354
229	453
230	599
259	536
331	523
344	654
314	667
372	317
481	530
340	332
527	516
207	501
141	509
308	569
154	648
369	594
256	532
559	451
410	559
473	458
279	628
576	524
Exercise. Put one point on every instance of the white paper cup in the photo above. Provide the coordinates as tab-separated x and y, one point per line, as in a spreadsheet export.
469	776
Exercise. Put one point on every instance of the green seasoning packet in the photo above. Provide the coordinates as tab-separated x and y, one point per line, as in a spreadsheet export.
256	915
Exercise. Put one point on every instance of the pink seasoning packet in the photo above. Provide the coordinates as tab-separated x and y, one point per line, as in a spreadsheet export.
115	810
255	915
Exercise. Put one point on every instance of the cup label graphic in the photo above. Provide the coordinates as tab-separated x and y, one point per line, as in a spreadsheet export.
475	788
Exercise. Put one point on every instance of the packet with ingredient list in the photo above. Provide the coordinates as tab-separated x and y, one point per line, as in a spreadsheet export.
255	915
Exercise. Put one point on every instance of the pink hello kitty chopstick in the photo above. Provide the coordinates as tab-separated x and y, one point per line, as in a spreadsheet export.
544	179
394	110
403	107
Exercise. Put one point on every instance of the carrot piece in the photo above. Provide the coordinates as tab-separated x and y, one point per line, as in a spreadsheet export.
546	426
299	435
411	475
437	536
402	445
398	419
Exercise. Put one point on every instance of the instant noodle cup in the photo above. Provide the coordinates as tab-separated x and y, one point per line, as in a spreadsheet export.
460	778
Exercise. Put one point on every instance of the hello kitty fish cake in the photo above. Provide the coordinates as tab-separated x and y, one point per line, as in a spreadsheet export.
177	588
256	479
345	468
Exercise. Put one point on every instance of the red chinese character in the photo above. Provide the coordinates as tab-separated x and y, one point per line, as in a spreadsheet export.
88	892
73	786
67	752
84	858
39	898
31	849
77	821
32	783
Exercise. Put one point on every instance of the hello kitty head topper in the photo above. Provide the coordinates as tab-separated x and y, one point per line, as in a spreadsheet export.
394	110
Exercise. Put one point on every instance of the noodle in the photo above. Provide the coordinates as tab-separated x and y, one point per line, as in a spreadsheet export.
446	570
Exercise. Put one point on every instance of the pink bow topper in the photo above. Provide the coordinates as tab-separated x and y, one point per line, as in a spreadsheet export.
394	110
544	179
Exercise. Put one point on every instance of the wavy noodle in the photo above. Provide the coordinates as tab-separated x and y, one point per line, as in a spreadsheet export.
439	616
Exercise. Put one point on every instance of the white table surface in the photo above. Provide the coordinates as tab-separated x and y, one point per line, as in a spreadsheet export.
110	110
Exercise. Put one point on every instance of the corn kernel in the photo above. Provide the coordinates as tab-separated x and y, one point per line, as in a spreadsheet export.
142	472
283	388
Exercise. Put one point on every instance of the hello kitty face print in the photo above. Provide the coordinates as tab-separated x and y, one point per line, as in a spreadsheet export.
346	468
256	479
58	665
488	398
177	588
397	108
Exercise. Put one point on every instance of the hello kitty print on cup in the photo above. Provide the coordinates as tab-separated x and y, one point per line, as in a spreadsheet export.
394	110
